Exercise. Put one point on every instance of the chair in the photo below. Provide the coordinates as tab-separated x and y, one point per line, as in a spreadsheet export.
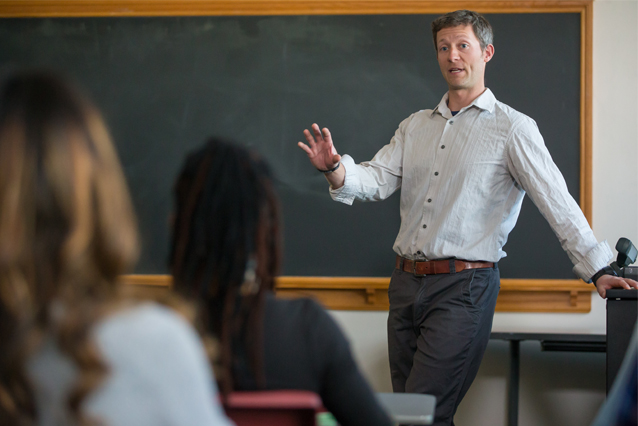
273	408
408	408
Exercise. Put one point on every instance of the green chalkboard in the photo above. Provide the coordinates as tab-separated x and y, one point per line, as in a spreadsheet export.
166	84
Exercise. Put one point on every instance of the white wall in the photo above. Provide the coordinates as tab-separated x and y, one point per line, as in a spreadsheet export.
557	389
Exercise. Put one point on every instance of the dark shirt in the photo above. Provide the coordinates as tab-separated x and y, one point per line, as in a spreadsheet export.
305	349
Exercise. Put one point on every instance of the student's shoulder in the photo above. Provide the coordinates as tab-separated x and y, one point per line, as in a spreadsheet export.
298	307
147	316
301	314
312	327
147	326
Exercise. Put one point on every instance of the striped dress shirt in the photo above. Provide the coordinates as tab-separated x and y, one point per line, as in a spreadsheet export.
463	179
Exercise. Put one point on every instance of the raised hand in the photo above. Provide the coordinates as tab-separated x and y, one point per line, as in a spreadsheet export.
320	149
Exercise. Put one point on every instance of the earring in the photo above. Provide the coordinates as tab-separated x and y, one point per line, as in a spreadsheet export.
250	285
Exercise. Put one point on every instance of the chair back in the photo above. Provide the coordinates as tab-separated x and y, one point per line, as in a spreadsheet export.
273	408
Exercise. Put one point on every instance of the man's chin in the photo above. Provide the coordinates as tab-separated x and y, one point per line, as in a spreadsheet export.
456	86
457	83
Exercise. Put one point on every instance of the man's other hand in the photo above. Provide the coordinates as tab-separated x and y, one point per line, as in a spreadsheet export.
606	282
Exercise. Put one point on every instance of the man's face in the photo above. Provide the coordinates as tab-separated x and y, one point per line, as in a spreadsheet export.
460	57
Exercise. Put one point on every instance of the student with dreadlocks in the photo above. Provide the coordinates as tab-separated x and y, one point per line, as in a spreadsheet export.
72	350
225	255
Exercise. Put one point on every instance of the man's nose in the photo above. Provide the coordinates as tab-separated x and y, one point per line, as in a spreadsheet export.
453	55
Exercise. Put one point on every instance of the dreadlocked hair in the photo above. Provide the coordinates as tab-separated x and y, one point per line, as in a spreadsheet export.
67	230
225	250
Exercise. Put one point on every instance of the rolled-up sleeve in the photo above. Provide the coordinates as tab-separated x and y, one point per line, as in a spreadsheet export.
530	163
377	179
348	192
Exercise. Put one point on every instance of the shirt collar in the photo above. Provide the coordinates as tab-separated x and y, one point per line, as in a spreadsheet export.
485	101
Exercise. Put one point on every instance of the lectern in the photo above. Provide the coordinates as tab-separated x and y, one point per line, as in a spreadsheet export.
622	316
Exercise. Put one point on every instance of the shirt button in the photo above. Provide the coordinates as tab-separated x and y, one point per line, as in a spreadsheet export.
425	226
429	200
442	146
436	173
451	122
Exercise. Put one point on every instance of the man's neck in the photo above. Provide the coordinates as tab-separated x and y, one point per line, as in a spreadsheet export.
458	99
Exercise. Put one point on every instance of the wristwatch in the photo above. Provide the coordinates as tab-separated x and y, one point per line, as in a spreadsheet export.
607	270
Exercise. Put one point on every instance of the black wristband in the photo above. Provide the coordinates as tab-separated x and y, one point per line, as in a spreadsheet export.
607	270
330	170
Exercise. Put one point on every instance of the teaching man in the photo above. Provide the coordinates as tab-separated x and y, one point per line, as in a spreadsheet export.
463	169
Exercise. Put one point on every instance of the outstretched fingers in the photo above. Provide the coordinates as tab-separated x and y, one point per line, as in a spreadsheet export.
316	140
306	148
324	137
319	147
310	138
317	132
311	148
325	134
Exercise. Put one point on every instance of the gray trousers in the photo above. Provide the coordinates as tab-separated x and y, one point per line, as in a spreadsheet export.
438	330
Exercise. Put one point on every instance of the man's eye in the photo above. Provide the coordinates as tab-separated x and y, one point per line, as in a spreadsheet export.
465	45
443	48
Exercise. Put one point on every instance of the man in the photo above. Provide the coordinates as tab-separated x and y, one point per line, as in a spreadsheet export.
463	169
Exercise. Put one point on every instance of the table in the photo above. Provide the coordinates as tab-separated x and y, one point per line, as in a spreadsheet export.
408	408
574	342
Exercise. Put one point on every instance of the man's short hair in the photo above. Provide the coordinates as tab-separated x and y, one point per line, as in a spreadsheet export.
482	28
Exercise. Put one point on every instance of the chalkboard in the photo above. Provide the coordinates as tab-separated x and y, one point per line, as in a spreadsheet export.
165	84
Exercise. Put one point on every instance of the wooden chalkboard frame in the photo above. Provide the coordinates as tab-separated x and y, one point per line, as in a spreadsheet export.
522	295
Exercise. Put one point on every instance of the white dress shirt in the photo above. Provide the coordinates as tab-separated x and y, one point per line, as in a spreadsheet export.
463	180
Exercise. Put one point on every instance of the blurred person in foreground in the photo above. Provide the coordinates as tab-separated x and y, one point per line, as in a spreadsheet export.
225	254
72	350
621	406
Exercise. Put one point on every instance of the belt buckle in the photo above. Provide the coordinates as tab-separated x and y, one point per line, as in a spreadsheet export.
415	273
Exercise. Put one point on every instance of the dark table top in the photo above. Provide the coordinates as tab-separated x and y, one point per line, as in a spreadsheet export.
549	336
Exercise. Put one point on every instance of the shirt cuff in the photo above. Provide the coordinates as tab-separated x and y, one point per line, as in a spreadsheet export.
346	194
595	260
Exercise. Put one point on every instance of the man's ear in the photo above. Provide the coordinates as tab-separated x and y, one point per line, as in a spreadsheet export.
488	53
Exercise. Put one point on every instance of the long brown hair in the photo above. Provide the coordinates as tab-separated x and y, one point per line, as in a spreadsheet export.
67	231
225	250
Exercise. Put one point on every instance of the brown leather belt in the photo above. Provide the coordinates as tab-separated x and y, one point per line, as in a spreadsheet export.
429	267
